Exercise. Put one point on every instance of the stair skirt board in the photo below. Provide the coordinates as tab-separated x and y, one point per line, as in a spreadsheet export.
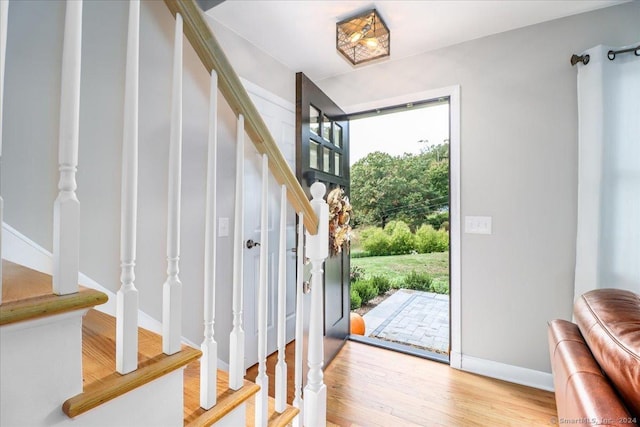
31	350
18	248
158	403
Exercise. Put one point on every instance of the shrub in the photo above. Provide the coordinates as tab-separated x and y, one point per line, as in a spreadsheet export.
382	283
439	287
376	242
444	226
429	240
364	233
356	301
443	240
356	273
397	284
402	240
417	281
391	226
365	289
426	239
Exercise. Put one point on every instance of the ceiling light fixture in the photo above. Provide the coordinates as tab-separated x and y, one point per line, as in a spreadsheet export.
363	38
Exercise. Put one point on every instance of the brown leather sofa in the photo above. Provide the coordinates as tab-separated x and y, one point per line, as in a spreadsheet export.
596	361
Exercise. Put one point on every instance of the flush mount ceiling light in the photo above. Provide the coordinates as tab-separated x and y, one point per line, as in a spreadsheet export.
363	37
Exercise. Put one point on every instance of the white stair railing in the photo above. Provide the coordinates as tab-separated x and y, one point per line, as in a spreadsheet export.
172	289
66	209
297	394
236	338
66	230
213	58
127	296
4	15
315	393
281	365
209	347
262	380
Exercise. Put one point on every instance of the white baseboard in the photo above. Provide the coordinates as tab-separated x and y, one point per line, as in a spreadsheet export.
455	360
19	249
510	373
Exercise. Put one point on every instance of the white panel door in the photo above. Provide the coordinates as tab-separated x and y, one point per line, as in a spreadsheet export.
279	115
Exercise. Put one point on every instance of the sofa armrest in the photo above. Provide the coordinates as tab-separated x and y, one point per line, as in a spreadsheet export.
609	321
584	396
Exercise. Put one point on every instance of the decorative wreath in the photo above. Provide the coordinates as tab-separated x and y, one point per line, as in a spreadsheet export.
339	216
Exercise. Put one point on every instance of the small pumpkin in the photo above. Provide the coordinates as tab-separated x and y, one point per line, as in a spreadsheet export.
357	324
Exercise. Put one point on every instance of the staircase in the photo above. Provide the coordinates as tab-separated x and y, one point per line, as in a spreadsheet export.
65	360
28	302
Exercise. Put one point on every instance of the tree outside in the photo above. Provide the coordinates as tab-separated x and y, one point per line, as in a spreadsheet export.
405	188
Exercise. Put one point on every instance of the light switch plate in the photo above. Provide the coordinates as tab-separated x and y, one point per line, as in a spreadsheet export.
223	227
477	224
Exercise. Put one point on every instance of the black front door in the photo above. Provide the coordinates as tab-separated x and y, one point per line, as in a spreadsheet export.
322	154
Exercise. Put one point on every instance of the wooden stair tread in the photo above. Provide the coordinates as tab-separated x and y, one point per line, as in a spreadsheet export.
27	294
101	382
275	419
227	399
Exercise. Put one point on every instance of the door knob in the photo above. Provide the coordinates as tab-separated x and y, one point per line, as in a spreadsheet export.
251	244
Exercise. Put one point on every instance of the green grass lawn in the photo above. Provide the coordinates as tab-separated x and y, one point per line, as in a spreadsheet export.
395	267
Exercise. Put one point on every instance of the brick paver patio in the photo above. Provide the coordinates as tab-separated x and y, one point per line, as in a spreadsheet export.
411	317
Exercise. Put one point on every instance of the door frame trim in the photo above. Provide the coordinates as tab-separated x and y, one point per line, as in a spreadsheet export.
453	93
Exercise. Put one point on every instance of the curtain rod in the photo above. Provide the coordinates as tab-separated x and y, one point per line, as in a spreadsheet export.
611	55
582	58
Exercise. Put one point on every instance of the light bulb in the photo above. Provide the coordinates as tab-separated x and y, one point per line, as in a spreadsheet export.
355	37
371	42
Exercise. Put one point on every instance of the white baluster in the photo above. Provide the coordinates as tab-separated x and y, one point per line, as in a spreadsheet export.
209	347
262	397
127	297
315	393
297	395
66	209
236	339
172	289
4	14
281	366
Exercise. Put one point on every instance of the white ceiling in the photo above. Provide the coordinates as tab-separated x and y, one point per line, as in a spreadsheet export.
301	33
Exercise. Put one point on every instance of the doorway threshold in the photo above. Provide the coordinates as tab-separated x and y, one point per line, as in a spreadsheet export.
400	348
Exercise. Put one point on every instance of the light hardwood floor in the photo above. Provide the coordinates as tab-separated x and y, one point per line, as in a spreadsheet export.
373	387
369	386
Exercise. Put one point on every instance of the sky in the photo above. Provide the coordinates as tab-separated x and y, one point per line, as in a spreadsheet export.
399	133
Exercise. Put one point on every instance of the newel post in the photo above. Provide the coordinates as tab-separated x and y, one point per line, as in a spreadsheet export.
315	393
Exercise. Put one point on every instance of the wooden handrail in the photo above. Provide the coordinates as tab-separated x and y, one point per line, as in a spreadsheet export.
212	56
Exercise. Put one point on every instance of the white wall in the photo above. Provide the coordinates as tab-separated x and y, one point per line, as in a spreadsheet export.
519	165
254	64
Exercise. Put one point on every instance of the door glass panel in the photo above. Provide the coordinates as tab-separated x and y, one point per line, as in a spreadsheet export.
326	128
336	163
337	135
314	120
326	167
313	155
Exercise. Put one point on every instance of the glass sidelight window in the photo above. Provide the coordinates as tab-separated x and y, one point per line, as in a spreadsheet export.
313	155
326	128
325	143
314	120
